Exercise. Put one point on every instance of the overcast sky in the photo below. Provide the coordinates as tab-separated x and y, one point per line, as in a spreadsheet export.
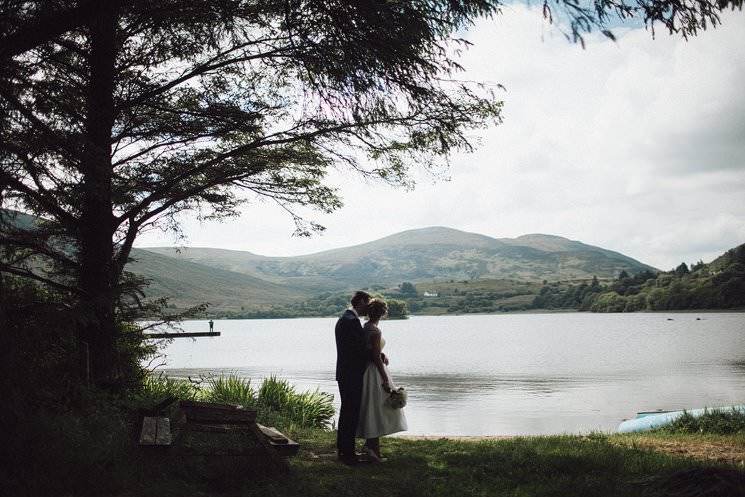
636	146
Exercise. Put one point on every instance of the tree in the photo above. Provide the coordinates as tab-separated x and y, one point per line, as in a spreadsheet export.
149	109
682	269
408	289
397	309
117	116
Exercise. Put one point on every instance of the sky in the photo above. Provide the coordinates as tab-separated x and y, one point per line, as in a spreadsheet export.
636	146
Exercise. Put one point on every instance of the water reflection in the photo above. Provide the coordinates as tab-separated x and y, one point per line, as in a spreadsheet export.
453	386
738	367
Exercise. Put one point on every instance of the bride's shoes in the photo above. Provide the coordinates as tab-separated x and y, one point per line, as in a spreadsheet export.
371	456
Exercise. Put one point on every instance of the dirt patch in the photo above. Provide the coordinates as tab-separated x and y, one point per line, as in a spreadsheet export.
724	450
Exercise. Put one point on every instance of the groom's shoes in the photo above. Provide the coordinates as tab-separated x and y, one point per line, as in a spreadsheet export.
353	460
349	461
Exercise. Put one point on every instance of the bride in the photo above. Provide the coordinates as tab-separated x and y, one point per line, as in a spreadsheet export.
377	417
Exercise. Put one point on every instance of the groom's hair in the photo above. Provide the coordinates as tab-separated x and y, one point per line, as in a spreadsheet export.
360	296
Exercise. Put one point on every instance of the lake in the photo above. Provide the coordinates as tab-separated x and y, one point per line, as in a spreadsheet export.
504	374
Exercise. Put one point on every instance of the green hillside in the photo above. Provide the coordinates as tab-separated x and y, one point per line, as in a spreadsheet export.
717	285
187	284
429	254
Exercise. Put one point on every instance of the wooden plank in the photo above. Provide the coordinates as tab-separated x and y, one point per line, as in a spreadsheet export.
273	434
209	413
163	431
149	431
183	335
211	405
283	445
155	431
206	416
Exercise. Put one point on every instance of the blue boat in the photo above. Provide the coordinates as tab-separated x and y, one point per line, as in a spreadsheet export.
650	420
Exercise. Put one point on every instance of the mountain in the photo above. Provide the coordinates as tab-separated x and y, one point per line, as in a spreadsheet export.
187	283
428	254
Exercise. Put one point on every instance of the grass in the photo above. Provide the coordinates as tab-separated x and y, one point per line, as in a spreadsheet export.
714	421
97	455
595	465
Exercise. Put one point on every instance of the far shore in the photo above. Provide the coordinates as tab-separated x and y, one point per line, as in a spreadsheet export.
533	311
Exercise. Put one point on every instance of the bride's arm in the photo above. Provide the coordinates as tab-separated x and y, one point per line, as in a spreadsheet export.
376	352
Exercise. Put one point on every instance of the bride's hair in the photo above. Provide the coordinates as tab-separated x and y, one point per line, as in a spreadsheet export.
376	309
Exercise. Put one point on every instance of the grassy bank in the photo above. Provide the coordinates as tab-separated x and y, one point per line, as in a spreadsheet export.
526	466
108	463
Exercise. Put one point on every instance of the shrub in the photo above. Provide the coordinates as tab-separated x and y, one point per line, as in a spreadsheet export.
231	389
715	421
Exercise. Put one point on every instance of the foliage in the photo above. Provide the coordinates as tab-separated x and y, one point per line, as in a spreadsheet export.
157	387
62	451
276	401
397	309
408	289
307	409
231	389
717	285
714	421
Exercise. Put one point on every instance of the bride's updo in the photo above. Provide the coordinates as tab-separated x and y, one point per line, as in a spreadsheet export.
376	309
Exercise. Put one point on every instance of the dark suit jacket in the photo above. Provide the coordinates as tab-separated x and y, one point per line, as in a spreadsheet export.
351	351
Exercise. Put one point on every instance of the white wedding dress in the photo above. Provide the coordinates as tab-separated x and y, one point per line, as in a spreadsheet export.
377	418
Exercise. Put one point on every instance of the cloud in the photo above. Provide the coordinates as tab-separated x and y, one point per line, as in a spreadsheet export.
637	146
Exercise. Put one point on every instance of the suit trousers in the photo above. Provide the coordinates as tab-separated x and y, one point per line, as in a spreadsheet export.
350	391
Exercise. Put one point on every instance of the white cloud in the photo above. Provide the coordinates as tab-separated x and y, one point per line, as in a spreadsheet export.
637	146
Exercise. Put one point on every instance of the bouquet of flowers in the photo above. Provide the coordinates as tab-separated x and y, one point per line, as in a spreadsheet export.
396	397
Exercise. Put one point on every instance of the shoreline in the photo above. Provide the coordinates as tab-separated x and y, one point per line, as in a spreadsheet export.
461	438
738	310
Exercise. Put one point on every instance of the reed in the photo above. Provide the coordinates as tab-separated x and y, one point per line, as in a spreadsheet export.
231	389
276	401
314	409
157	387
295	410
276	393
714	421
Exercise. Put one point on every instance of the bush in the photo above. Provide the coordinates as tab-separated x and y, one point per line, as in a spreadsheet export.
715	421
233	390
306	410
276	401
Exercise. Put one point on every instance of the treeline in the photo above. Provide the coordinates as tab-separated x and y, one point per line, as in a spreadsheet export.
322	305
718	285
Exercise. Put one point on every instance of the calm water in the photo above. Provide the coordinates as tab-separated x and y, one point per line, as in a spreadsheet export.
502	374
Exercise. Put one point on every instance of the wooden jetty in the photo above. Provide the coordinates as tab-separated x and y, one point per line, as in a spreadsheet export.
184	335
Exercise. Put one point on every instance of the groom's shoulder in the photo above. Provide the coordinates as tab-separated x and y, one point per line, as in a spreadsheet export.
347	315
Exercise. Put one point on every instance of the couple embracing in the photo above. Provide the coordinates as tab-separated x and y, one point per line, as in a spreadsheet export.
364	382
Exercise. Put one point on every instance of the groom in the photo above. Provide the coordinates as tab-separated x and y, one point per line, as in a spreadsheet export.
351	360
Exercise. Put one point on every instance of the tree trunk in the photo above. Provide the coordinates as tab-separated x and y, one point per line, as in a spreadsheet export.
96	251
